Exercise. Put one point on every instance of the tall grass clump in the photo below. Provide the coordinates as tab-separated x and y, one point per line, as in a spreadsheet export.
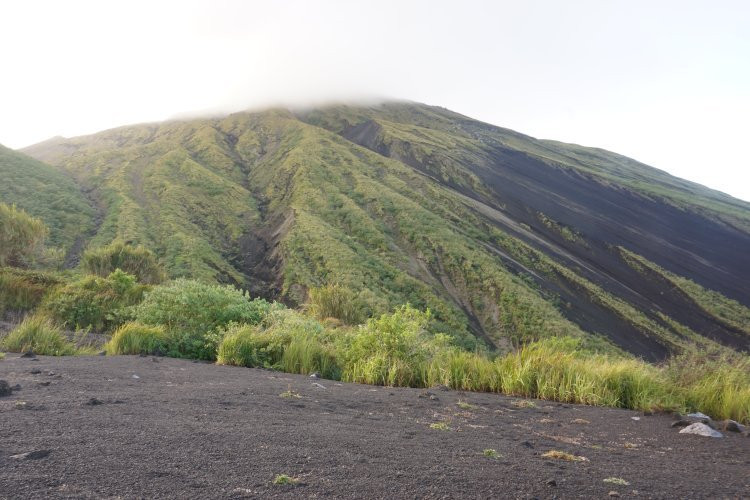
39	334
557	369
94	302
21	236
286	341
192	312
393	349
136	260
335	301
22	290
136	338
717	384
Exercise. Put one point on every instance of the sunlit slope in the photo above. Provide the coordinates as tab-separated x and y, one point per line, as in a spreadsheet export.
501	235
47	193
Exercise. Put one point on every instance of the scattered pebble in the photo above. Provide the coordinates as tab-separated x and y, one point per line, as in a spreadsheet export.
28	354
636	418
5	389
614	494
36	371
315	375
319	386
135	376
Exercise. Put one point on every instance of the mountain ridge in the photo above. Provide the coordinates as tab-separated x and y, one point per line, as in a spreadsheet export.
504	236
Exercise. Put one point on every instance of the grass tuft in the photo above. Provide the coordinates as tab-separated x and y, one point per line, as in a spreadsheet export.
39	334
136	338
489	452
284	480
616	480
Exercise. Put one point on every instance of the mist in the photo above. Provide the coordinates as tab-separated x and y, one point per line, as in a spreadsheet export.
666	84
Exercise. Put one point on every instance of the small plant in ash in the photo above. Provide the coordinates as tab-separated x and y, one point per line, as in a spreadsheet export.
561	455
490	453
440	426
617	480
285	480
289	393
466	406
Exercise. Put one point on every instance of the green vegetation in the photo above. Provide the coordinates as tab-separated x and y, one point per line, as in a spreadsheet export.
21	237
94	302
39	334
490	453
135	338
616	480
190	310
440	426
22	290
335	301
45	193
466	406
135	260
284	480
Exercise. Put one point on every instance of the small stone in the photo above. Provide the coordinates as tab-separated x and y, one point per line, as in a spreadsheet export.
94	402
44	384
135	376
701	429
315	375
731	426
36	371
5	389
681	423
551	483
636	418
614	494
319	386
31	455
28	354
527	444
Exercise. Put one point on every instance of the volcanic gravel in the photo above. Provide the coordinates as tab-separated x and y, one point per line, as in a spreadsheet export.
143	427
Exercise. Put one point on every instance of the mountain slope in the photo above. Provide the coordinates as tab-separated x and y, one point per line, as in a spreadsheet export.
47	193
501	235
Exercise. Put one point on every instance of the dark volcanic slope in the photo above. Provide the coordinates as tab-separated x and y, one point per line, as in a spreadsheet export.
194	430
501	235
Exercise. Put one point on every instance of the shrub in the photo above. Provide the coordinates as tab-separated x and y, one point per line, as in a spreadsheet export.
135	338
190	311
39	334
249	345
22	290
99	303
335	301
392	350
136	260
21	236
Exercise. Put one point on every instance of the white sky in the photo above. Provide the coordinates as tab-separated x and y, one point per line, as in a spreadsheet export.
665	82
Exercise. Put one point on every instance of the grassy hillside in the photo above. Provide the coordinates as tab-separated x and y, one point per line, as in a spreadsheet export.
502	236
47	193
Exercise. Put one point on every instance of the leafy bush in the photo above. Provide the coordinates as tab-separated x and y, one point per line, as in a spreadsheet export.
39	334
99	303
190	311
335	301
286	340
136	260
22	290
135	338
249	345
392	350
21	236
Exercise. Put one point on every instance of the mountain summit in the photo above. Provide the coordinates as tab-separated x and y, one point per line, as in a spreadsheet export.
503	236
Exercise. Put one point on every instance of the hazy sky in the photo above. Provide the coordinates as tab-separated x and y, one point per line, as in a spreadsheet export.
665	82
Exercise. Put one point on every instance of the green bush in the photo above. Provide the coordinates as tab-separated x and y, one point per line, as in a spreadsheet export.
135	338
392	350
39	334
286	340
136	260
95	302
250	345
335	301
22	290
191	312
21	236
